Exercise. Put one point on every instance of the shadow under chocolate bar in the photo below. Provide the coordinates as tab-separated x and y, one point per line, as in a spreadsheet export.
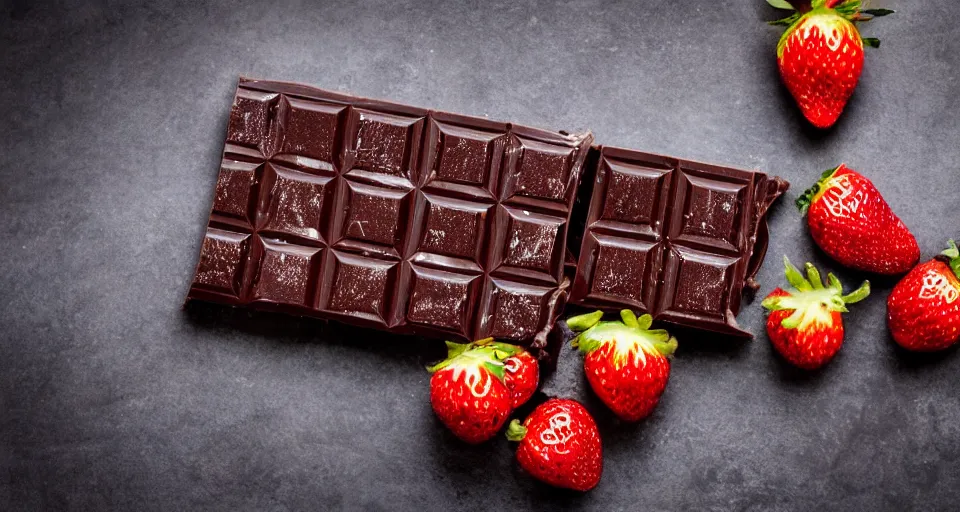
390	216
674	238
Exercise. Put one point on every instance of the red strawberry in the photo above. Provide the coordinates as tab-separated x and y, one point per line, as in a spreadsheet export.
468	393
805	325
626	362
851	222
559	445
923	311
820	56
522	376
521	371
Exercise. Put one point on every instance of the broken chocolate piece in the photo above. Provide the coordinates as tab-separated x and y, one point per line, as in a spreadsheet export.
673	238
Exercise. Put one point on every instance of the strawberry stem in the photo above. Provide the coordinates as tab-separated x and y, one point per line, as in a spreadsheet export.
516	431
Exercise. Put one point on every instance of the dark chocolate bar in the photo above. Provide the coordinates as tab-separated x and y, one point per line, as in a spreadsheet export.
673	238
390	216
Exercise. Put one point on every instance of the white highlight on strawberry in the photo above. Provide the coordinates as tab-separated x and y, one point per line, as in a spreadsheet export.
511	364
841	199
830	26
935	284
474	378
559	431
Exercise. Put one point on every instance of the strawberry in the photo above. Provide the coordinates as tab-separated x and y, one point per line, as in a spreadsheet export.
852	223
522	376
820	55
559	445
626	362
805	325
923	311
468	393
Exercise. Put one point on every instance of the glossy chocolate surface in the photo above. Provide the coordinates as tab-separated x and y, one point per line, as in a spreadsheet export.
390	216
673	238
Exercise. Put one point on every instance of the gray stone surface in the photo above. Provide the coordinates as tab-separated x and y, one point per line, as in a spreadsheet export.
112	117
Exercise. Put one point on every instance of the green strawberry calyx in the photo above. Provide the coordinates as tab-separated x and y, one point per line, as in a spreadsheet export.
485	353
952	255
516	431
631	336
813	300
829	14
813	193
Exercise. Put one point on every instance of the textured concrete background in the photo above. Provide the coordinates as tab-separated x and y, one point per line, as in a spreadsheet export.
112	117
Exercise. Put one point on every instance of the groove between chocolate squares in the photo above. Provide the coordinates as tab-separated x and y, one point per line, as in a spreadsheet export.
398	182
276	149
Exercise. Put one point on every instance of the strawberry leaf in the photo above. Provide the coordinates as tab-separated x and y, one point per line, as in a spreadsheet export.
858	294
629	319
954	255
793	321
878	12
495	369
586	343
806	199
835	282
454	349
785	22
816	301
772	303
872	42
794	277
782	4
813	275
666	348
644	322
503	350
659	335
583	322
952	251
848	9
